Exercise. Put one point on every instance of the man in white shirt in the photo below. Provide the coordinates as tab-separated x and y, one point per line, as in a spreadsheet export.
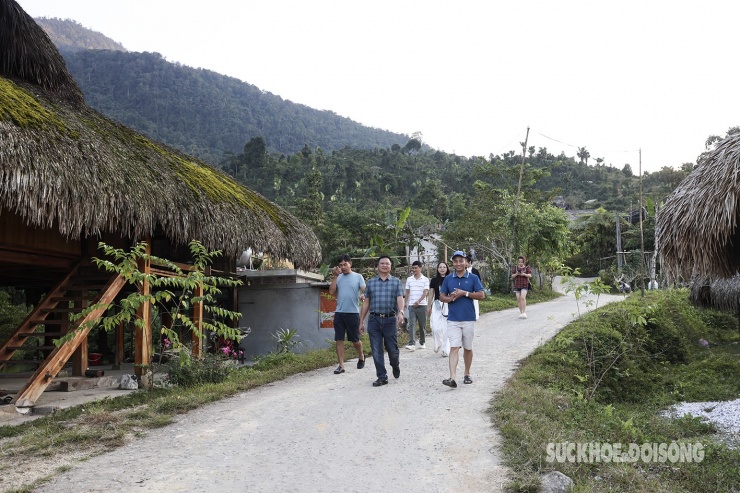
417	288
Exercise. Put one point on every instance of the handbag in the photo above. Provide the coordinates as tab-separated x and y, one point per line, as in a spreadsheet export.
529	286
445	310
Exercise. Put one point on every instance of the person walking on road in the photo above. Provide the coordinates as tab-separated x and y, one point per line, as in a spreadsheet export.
459	289
521	275
349	288
437	311
473	270
383	310
417	289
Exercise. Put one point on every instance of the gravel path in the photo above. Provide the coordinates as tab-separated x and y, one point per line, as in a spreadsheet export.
320	432
725	415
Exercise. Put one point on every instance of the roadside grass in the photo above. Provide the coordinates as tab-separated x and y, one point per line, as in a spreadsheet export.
661	363
503	301
106	424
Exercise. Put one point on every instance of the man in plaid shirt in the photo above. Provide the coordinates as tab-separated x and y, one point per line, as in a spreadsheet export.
383	309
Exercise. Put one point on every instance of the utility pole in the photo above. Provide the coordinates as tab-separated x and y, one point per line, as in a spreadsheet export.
518	194
619	244
653	282
642	238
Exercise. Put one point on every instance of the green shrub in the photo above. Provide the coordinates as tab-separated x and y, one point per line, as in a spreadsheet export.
273	360
626	351
12	311
211	368
660	362
498	281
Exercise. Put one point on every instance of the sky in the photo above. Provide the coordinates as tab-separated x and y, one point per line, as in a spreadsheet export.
640	82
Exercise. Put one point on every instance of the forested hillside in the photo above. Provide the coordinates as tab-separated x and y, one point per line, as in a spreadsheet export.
69	35
367	191
199	111
205	113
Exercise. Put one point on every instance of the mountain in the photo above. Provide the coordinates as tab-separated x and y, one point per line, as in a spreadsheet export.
72	36
215	117
199	111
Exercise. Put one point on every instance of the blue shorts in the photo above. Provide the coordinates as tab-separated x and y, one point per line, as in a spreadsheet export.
348	323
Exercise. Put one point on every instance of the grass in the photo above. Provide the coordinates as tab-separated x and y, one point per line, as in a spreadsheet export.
106	424
504	301
542	403
546	400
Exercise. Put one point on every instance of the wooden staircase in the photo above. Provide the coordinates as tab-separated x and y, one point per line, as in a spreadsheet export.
85	285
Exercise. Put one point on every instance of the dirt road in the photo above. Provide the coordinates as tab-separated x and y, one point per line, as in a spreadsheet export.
320	432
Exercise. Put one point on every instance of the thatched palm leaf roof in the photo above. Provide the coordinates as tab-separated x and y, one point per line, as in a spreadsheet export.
27	53
64	165
698	234
721	294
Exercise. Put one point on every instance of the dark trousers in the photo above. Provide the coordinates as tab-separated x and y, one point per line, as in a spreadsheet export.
383	332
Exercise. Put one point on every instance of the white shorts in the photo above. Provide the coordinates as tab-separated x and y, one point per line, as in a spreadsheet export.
461	334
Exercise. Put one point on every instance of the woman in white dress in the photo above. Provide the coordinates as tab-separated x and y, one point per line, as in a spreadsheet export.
438	311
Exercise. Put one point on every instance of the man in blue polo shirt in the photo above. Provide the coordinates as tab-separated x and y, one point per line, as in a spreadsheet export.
458	290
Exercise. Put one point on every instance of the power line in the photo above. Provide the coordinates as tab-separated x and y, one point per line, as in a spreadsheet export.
575	146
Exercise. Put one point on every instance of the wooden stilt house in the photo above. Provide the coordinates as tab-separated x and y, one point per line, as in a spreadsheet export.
70	178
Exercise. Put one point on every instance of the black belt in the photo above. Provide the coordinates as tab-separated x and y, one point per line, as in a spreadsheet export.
383	315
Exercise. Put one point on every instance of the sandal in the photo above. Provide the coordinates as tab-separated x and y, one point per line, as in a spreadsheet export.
467	379
339	370
450	383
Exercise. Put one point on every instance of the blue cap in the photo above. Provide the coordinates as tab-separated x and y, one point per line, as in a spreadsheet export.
459	253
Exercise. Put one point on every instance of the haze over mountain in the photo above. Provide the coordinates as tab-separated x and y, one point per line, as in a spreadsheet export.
351	183
70	35
223	121
199	111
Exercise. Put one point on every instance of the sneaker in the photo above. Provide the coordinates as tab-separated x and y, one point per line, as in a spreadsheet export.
450	383
339	370
396	371
422	346
361	363
380	381
444	354
523	315
411	347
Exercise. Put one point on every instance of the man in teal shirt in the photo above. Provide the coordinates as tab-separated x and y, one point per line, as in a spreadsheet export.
349	288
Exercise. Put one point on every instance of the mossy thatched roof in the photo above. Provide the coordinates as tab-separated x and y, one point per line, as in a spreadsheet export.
64	165
697	228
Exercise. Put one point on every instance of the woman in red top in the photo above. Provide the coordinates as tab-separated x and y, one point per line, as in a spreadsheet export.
521	274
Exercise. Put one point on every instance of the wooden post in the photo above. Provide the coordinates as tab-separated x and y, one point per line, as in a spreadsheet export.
79	358
120	351
143	337
235	305
197	339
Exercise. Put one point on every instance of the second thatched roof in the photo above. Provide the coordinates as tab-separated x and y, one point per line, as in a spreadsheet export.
698	233
720	294
66	166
